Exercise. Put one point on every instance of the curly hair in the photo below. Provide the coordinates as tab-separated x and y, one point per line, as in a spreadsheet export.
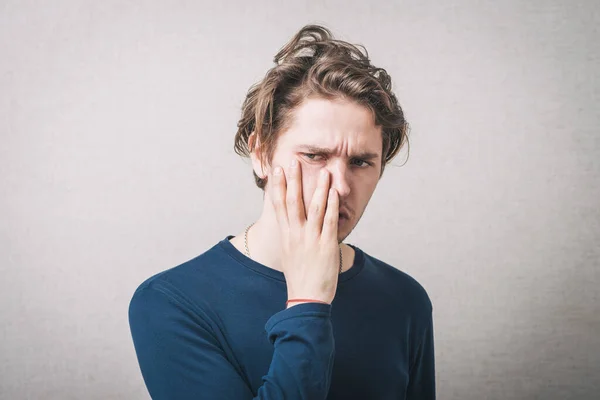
314	64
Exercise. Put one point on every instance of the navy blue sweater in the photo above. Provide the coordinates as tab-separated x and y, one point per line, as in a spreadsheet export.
216	327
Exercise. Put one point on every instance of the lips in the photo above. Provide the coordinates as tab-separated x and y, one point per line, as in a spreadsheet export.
344	214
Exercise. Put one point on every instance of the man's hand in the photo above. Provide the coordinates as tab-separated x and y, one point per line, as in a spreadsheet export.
310	248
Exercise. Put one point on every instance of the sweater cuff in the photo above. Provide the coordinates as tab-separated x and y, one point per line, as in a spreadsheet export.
300	310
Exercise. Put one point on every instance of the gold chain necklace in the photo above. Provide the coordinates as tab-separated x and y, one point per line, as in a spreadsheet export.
248	250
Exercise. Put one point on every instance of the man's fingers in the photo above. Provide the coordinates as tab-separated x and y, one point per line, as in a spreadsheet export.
331	220
318	204
294	202
277	194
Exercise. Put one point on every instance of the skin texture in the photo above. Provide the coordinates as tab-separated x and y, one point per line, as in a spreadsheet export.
347	129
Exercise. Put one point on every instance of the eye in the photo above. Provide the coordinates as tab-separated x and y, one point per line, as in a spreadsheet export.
366	163
310	156
361	163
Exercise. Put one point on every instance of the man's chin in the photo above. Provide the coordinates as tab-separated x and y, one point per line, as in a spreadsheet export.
344	230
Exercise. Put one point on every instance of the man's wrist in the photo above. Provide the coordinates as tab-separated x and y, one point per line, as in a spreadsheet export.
292	302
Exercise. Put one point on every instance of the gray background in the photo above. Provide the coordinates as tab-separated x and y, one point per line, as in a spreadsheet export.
116	162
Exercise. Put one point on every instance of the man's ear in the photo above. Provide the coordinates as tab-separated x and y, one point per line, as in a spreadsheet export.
254	146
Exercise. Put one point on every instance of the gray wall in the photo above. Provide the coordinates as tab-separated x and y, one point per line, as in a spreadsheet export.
116	162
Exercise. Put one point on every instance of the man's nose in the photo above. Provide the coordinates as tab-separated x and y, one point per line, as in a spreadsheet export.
340	179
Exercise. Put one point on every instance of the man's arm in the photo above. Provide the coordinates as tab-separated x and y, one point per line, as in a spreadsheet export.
181	358
421	385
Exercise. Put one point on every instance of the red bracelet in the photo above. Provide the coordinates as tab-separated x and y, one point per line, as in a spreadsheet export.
304	300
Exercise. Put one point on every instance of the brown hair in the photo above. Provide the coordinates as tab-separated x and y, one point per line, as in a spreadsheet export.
313	63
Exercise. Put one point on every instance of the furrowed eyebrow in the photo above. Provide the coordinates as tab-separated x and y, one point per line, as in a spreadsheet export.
365	155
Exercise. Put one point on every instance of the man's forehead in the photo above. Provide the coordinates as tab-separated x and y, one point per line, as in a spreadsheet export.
330	135
335	115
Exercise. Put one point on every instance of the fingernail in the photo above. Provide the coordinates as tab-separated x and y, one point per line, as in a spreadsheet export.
323	173
294	163
277	171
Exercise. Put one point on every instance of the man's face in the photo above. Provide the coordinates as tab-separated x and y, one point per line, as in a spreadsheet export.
341	137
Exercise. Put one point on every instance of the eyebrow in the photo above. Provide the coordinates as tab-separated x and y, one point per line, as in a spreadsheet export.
363	155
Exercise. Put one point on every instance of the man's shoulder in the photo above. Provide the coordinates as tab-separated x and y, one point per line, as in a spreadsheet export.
399	283
195	274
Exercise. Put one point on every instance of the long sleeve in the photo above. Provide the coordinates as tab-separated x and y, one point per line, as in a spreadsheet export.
421	385
180	355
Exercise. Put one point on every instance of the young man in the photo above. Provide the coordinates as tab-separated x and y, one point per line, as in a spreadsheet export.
285	310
